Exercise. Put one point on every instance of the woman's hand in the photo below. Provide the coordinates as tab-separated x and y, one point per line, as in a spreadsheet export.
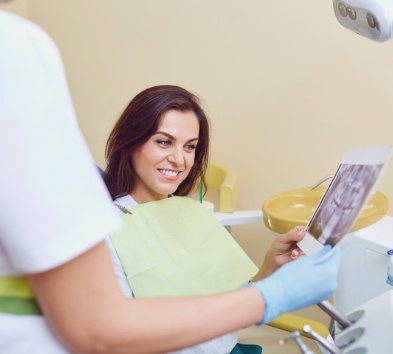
282	250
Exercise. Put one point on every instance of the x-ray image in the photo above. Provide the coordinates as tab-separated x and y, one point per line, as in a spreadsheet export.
347	193
343	201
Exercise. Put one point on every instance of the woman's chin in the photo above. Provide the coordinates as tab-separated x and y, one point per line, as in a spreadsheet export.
165	193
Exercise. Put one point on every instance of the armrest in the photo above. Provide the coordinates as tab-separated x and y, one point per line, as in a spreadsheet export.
239	217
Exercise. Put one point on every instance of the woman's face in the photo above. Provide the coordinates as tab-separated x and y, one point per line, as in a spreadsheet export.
165	160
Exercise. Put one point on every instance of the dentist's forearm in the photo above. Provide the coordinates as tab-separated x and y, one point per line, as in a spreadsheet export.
85	308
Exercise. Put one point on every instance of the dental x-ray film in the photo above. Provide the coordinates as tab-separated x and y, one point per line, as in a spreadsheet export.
346	196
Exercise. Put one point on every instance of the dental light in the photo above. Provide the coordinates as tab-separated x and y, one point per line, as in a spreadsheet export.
370	18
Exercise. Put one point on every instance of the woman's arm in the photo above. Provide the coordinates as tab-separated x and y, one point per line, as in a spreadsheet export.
82	302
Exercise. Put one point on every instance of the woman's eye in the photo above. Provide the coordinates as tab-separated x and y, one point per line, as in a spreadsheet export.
164	142
190	147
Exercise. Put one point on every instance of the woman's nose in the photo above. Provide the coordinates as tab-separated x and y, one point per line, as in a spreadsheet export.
176	157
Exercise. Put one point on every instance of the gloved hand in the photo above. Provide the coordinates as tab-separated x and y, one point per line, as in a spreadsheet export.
303	282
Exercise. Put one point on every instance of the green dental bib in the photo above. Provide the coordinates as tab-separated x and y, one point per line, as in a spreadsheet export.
176	247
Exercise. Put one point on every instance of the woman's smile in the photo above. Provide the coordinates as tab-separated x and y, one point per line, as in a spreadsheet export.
169	173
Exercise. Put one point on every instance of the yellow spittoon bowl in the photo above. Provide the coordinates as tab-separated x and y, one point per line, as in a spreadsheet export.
286	210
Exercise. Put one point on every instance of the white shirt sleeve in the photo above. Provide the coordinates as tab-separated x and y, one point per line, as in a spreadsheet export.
53	203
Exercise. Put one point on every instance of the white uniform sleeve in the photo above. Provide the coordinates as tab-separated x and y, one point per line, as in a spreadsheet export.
53	203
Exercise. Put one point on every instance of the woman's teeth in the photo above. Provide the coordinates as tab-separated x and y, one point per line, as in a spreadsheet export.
169	173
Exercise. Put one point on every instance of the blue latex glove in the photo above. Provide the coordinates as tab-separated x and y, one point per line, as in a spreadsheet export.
300	283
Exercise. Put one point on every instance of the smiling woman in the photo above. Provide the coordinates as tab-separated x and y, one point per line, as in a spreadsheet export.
168	246
159	148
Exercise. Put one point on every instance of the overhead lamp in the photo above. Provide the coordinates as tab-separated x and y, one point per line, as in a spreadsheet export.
369	18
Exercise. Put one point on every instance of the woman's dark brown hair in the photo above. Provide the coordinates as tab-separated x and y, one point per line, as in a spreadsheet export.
138	122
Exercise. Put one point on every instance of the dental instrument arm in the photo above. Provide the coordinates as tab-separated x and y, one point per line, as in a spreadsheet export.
341	319
330	347
295	335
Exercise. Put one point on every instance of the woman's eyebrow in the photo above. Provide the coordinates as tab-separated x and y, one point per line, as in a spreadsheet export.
166	134
169	136
191	140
